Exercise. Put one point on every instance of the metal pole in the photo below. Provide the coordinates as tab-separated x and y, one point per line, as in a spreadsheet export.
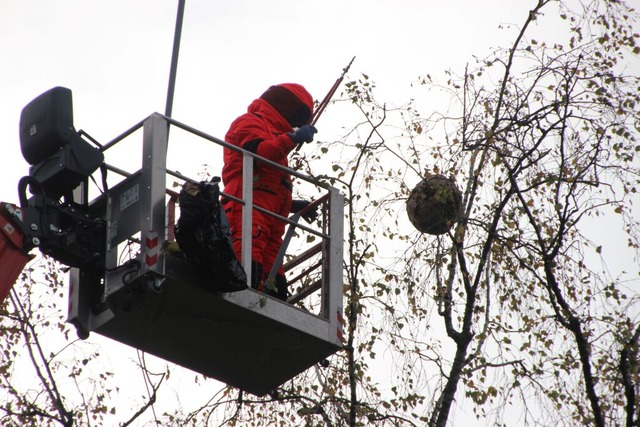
316	114
174	59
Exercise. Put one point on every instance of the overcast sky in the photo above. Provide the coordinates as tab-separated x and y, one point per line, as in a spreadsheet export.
115	55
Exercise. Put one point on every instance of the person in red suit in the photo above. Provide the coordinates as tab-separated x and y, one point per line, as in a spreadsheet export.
273	126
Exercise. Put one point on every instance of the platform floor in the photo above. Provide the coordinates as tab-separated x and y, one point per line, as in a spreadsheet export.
245	339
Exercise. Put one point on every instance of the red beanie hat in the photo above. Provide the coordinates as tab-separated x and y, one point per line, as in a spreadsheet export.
292	101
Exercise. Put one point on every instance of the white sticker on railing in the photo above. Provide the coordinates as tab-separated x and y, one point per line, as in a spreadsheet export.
129	197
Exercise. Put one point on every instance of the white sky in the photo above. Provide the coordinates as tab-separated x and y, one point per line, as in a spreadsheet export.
115	55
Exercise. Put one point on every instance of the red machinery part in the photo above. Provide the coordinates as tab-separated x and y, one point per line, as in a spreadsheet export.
12	257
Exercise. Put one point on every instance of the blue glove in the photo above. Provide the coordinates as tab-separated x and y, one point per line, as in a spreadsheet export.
304	134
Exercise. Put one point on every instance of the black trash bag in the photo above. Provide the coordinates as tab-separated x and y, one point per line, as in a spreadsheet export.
204	236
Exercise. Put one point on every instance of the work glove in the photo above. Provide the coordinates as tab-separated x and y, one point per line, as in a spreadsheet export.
299	205
303	134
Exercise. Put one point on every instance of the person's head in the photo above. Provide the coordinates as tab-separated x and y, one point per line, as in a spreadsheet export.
292	101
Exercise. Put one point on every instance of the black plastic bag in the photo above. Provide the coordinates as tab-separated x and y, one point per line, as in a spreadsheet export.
204	236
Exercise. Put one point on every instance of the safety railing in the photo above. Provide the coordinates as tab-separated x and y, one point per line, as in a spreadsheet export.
142	208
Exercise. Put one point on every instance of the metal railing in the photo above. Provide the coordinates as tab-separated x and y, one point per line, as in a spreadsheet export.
154	218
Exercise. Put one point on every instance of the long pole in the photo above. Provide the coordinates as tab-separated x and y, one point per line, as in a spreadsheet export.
332	91
174	59
323	104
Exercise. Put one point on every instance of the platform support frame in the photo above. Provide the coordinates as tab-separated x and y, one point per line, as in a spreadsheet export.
135	210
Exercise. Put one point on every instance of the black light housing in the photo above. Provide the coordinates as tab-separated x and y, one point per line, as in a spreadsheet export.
60	158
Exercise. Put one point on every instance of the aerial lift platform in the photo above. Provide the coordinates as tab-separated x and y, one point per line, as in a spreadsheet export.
151	297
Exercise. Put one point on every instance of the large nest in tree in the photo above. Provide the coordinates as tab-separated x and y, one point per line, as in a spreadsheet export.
434	204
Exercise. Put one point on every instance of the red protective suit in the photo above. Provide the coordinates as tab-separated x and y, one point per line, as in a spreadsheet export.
264	130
